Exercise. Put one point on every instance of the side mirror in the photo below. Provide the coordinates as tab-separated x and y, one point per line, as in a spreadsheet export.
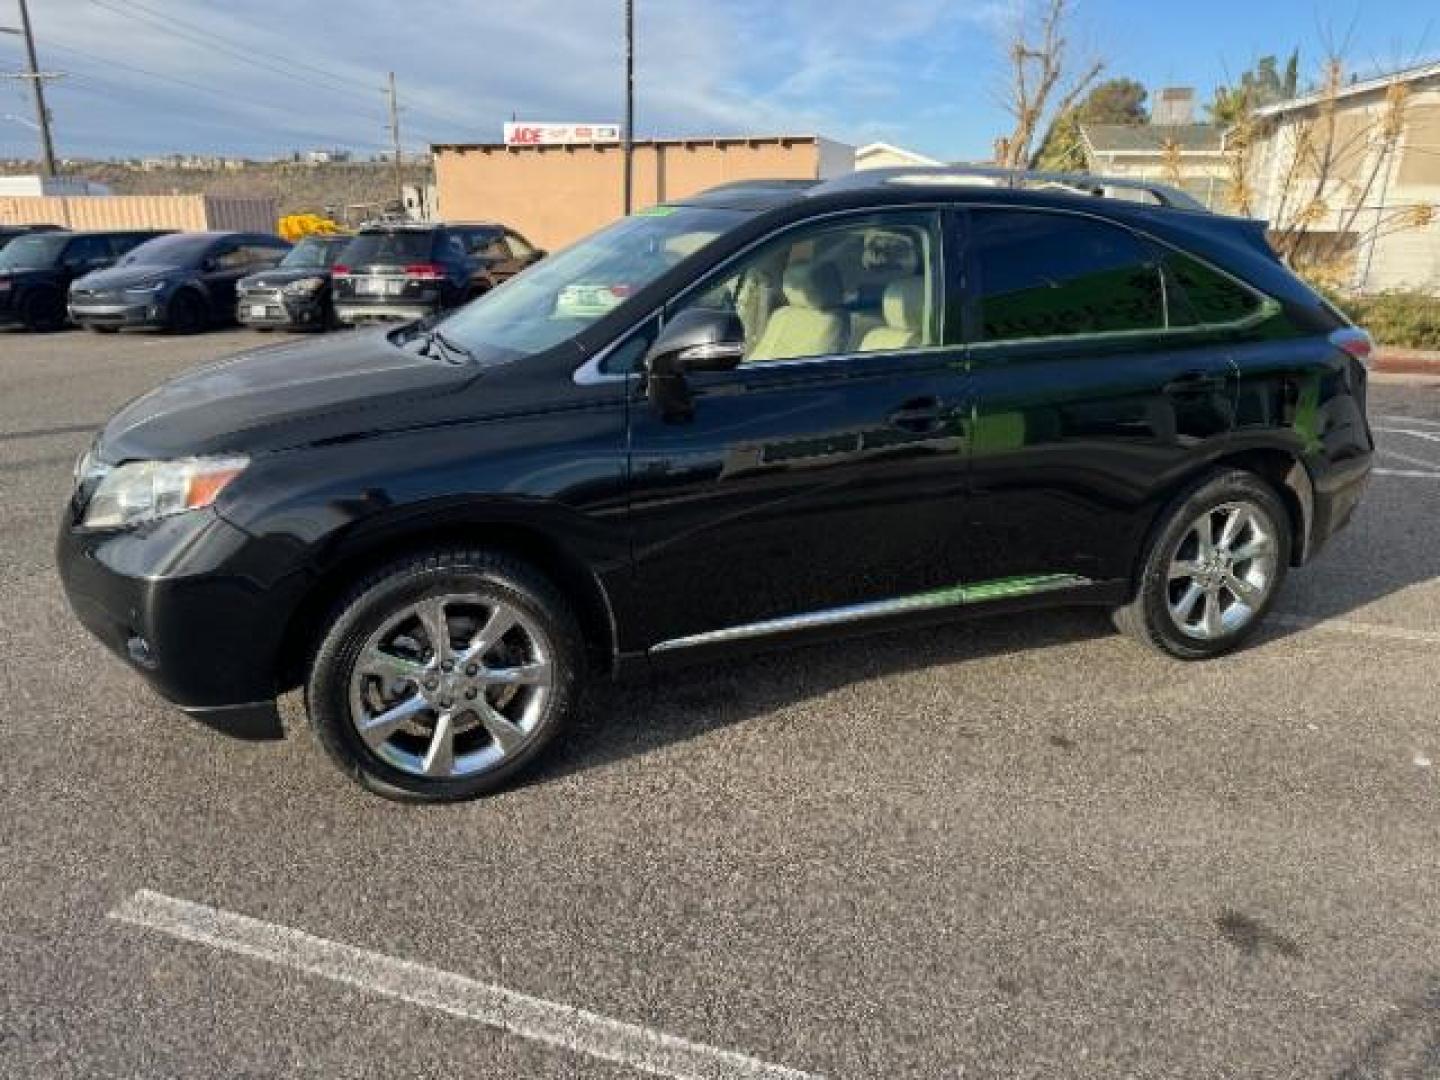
694	340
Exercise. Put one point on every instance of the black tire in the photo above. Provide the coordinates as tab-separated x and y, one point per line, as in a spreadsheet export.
386	594
105	329
43	311
187	314
1148	616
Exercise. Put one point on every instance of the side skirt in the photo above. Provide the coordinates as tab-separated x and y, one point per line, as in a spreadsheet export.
986	592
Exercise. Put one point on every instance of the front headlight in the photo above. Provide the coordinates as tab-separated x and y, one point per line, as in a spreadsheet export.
145	490
145	290
305	286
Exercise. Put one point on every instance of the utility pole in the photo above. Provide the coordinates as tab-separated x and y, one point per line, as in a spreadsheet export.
36	78
629	104
394	141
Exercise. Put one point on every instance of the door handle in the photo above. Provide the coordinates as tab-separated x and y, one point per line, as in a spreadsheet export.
917	415
1194	382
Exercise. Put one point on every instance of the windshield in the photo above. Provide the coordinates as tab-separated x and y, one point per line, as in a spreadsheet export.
313	251
32	251
180	249
560	296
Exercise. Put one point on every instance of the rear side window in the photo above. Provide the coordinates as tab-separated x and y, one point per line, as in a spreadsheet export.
388	247
1058	275
1206	297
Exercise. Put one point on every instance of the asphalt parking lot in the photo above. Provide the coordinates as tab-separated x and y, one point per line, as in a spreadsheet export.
1018	847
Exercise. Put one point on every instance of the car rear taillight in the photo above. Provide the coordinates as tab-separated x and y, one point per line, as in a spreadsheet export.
340	270
1356	342
425	271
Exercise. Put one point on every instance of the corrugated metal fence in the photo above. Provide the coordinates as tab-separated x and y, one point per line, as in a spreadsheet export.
182	212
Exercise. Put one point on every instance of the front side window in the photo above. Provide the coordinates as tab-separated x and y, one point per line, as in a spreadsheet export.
1045	275
867	284
86	250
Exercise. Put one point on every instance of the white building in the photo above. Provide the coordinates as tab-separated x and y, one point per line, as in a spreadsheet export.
882	155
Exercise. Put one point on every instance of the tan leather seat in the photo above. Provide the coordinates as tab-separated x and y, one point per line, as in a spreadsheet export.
904	310
812	322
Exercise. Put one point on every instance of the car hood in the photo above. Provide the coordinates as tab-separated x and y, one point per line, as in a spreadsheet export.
344	386
123	277
283	275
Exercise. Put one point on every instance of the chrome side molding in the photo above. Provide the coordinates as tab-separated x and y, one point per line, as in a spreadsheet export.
954	596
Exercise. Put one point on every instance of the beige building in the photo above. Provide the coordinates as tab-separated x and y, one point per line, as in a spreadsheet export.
554	194
1372	191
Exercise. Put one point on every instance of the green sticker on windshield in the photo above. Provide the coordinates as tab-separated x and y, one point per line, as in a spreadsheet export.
655	211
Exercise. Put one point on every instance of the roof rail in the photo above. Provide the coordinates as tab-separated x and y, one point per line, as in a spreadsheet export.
998	176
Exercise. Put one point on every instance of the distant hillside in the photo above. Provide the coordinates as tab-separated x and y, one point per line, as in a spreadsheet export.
298	188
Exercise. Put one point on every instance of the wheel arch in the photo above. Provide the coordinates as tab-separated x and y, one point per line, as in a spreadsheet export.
1279	467
531	544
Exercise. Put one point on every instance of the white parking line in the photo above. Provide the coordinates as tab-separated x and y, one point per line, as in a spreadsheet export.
531	1018
1410	474
1345	626
1409	420
1428	436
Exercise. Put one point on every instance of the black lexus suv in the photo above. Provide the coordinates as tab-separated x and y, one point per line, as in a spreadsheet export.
398	271
762	414
36	271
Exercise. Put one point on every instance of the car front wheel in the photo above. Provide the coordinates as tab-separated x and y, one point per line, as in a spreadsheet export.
443	676
1213	569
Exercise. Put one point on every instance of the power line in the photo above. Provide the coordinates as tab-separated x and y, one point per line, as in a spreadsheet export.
352	83
209	41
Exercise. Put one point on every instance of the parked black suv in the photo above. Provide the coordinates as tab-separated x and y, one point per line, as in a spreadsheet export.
182	282
876	402
14	232
296	294
36	271
401	270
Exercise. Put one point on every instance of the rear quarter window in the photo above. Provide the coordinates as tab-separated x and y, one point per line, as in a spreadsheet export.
1206	296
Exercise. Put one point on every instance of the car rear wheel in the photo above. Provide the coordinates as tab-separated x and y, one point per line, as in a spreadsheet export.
1213	570
187	313
443	676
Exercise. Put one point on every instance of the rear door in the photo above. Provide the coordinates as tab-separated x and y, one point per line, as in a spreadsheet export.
1094	393
824	471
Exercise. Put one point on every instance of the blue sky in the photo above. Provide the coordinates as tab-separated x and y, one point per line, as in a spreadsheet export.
265	76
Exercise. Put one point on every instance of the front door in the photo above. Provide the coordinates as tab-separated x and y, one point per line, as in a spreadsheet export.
827	469
1096	391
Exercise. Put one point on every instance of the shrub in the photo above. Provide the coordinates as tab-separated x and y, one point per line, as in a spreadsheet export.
1401	320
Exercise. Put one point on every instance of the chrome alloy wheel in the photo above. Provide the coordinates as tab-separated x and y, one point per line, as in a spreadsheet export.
451	685
1223	570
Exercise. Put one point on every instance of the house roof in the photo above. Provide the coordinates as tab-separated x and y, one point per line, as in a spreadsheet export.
1363	86
1153	138
899	151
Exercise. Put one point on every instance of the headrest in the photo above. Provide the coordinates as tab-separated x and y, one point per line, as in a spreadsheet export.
904	303
813	285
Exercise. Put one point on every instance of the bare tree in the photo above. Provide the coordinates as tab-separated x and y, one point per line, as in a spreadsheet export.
1039	86
1326	180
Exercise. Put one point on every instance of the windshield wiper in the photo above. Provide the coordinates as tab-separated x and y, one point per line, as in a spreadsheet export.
450	348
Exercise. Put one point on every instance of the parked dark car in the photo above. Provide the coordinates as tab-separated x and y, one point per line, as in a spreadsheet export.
400	271
12	232
36	271
869	403
296	294
182	282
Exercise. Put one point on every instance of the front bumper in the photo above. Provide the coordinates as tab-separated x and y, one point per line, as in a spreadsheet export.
178	602
275	308
127	313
